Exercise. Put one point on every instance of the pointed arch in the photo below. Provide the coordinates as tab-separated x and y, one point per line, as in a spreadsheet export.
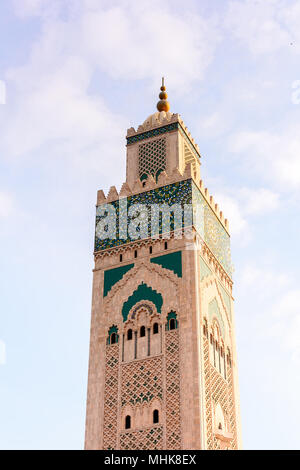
143	292
214	312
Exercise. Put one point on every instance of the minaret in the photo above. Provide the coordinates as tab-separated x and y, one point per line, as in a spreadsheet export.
162	369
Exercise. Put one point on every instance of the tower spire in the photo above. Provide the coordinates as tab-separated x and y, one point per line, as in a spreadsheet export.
163	104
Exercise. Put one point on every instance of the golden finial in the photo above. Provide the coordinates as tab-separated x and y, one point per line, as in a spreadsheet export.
163	104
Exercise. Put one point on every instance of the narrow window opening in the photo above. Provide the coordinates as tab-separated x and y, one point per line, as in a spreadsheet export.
129	335
220	426
150	250
135	344
166	245
127	422
229	359
214	346
113	338
148	334
172	324
155	416
155	328
121	258
135	253
142	331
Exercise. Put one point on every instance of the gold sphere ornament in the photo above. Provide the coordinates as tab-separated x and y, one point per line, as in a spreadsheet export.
163	95
163	104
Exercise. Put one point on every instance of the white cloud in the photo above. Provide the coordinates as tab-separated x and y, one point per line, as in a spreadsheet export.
6	204
258	201
289	305
51	108
278	304
264	280
239	204
231	209
2	353
214	124
25	8
269	154
55	114
130	42
264	26
2	92
127	40
285	324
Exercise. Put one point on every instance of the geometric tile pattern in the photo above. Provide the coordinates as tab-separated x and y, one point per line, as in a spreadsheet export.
217	239
162	130
179	192
212	231
182	192
152	157
173	428
111	397
152	133
208	404
142	381
218	390
232	409
144	439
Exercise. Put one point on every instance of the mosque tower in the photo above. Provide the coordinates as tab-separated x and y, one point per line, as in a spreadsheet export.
162	367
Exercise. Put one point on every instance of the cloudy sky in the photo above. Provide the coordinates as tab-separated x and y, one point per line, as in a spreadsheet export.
74	75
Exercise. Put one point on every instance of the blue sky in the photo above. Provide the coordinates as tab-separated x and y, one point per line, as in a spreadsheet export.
77	75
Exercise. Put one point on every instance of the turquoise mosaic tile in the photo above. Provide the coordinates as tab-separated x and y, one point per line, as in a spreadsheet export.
177	193
211	230
152	133
182	193
172	261
143	292
205	271
112	276
226	299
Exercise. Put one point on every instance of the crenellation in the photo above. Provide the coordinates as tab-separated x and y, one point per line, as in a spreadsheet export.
101	199
138	186
150	183
112	194
163	179
130	131
125	190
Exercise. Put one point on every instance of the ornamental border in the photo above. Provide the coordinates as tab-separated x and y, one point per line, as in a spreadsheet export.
162	130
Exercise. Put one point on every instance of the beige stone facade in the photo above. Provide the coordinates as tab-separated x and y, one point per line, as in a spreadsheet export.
163	369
